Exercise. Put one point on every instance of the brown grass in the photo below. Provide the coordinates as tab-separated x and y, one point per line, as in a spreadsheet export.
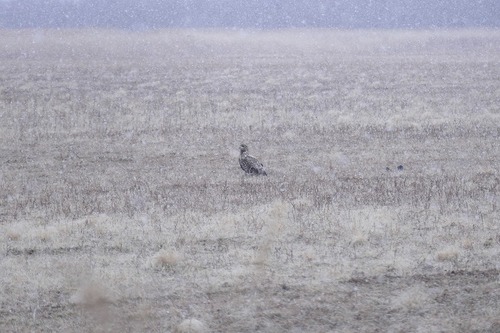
123	208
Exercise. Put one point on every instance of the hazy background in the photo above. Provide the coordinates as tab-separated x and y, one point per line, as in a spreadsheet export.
146	14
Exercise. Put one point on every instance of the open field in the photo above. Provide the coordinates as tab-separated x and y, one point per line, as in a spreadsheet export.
123	208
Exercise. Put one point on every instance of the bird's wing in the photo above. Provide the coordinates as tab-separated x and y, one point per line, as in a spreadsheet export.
254	163
244	164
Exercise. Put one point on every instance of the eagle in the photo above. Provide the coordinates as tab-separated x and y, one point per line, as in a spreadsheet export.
250	164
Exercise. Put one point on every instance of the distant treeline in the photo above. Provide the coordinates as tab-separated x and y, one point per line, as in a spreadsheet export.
145	14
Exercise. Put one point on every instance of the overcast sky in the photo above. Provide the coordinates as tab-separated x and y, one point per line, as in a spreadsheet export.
144	14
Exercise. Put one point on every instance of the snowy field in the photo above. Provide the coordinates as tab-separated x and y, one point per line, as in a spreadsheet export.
123	207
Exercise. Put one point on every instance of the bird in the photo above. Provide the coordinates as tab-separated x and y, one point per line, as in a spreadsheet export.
250	164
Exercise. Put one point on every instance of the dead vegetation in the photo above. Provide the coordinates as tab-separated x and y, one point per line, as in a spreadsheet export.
111	220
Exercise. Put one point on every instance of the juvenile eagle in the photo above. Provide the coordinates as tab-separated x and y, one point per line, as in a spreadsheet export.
250	164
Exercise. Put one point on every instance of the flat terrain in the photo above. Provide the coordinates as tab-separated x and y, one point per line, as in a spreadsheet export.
123	208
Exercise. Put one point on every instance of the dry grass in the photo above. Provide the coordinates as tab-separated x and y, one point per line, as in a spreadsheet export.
122	206
191	326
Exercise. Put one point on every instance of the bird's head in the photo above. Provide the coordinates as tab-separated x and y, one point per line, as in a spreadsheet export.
243	148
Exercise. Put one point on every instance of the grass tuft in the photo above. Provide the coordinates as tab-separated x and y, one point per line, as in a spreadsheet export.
191	325
165	259
91	294
448	254
13	235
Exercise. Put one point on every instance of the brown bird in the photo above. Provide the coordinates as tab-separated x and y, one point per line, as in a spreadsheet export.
250	164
